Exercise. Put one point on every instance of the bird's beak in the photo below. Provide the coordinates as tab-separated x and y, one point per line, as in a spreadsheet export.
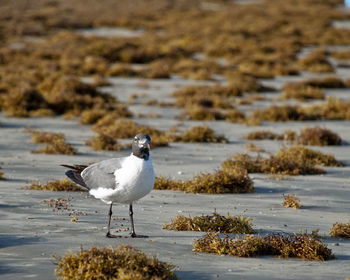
146	145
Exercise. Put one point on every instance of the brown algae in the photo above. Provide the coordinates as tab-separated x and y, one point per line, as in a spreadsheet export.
214	222
63	185
124	262
105	142
203	134
340	230
291	201
55	143
314	136
125	128
235	180
295	160
302	246
318	136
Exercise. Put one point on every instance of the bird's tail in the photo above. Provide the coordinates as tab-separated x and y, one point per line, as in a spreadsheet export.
74	174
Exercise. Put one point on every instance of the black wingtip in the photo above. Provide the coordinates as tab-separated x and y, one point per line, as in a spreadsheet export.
67	166
71	175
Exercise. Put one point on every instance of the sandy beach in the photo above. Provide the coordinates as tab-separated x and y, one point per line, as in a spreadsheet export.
31	231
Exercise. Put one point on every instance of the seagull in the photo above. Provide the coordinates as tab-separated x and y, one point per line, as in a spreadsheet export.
120	180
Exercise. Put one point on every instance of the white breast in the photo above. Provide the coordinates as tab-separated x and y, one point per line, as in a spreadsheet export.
134	180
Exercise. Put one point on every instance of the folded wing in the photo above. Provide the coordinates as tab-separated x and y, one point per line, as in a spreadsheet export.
101	174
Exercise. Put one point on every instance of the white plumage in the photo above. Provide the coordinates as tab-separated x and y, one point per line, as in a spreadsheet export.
133	180
121	180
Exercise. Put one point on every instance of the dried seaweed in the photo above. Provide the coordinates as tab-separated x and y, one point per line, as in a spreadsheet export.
302	246
55	142
318	136
235	180
124	128
64	185
301	92
340	230
214	222
314	136
331	109
291	201
295	160
124	262
203	134
105	142
316	62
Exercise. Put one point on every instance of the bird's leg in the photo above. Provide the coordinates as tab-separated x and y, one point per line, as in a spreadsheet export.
131	213
133	234
109	235
109	221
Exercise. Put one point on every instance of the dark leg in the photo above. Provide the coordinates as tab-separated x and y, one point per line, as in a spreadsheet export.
133	234
131	213
109	221
109	235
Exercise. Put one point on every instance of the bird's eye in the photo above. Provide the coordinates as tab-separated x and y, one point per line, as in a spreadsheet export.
135	139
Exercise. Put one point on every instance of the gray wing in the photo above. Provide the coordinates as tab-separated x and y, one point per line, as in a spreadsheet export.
101	174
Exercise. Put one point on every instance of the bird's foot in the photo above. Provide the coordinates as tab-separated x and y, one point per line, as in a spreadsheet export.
134	235
109	235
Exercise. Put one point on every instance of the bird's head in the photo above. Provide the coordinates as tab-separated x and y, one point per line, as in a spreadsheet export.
141	146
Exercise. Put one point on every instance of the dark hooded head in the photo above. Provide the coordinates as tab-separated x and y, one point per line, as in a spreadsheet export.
141	146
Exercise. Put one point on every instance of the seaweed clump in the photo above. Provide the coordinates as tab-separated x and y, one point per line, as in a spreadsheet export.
55	142
340	230
214	222
64	185
341	55
206	96
164	183
269	135
314	136
207	102
303	154
222	181
302	246
124	128
330	109
2	176
301	92
200	113
39	93
325	82
318	136
124	262
284	113
235	180
316	62
291	201
295	160
105	142
203	134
